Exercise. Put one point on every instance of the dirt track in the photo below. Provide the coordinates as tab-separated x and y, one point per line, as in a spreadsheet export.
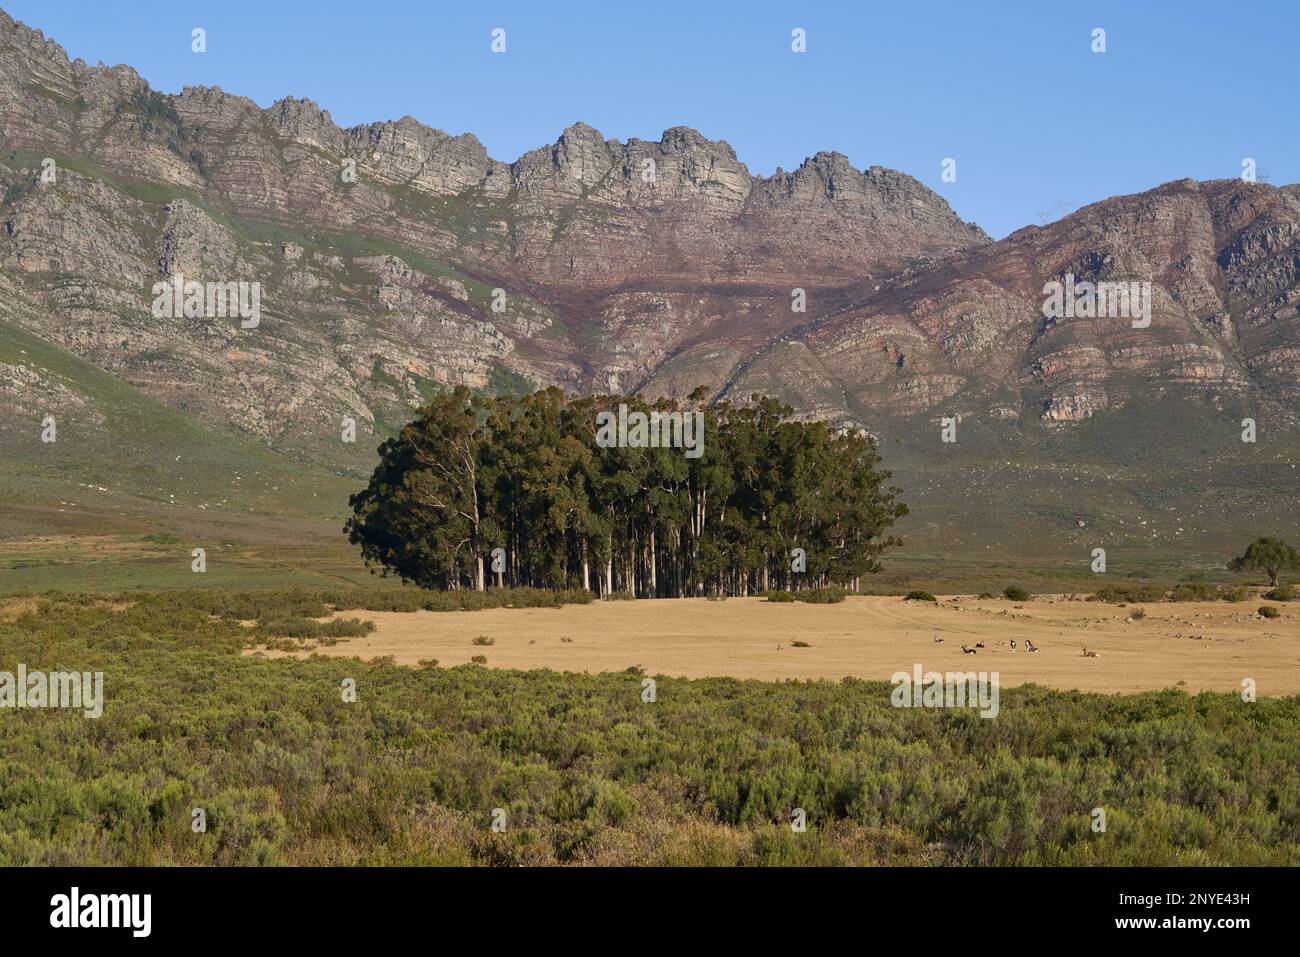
869	637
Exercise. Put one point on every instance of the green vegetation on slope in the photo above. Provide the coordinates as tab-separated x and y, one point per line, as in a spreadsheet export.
120	439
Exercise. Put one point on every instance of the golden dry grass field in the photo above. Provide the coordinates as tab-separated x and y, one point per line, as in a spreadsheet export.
1193	646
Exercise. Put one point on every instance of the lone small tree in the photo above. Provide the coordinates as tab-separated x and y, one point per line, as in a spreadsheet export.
1269	555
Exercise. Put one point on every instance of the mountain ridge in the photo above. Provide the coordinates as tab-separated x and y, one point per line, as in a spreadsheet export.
648	266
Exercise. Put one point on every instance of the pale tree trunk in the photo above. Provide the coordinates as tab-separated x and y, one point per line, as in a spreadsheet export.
654	580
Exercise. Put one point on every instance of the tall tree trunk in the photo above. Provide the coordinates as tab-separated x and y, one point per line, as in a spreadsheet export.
654	579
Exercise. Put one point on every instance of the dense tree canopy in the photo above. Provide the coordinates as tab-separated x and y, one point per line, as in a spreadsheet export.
1269	555
527	475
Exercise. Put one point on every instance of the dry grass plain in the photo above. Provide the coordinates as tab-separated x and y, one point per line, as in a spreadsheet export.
1194	646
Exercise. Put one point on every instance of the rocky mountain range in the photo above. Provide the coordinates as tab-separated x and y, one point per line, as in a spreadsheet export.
394	259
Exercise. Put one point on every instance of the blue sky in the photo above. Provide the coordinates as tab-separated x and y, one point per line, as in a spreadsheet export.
1037	122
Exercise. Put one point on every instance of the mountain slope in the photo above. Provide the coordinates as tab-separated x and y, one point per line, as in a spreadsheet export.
651	266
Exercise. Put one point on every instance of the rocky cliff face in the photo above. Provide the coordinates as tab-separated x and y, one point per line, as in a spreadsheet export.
968	335
394	259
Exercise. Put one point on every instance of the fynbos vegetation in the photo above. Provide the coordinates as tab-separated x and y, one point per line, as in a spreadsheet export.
407	770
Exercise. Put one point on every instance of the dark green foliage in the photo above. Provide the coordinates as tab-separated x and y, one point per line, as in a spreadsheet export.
1283	592
821	596
918	595
157	108
1122	594
474	473
409	773
306	628
1016	593
1196	591
800	644
1269	555
1268	611
813	596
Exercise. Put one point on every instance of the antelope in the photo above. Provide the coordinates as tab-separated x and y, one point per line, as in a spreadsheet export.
1089	653
1029	646
967	651
1013	646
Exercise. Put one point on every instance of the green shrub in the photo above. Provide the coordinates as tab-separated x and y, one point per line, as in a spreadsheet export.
1268	611
1283	592
780	596
1195	591
1016	593
917	595
1129	593
821	596
306	628
1138	614
1238	594
800	644
483	640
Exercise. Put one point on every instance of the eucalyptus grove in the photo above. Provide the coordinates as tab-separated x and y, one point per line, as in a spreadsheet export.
527	476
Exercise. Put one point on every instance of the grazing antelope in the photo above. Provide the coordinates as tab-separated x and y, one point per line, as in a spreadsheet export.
979	644
938	640
1089	653
1029	646
967	651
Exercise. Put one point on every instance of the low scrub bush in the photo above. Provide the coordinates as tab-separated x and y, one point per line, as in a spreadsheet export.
1118	594
1016	593
306	628
289	775
917	595
822	596
1196	591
